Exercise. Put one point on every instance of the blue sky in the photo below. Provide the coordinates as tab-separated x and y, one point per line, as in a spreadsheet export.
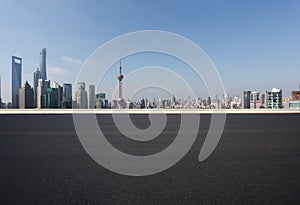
254	44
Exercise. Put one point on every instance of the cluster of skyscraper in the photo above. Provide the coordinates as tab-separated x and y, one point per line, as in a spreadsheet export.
43	95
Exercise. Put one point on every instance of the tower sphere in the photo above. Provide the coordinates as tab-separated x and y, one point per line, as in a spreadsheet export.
120	77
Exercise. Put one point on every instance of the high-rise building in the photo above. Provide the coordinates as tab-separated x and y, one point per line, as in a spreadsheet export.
104	103
143	104
91	97
274	99
59	94
113	104
254	100
67	95
43	85
173	101
208	102
1	106
81	96
16	80
36	77
246	99
26	96
52	98
263	101
100	100
129	105
43	64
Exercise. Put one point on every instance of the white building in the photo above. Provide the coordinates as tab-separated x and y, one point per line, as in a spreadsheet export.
91	97
81	96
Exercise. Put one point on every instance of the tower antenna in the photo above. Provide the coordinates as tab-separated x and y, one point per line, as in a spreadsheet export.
120	78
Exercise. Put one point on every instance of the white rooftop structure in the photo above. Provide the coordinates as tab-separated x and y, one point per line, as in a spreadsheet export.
274	90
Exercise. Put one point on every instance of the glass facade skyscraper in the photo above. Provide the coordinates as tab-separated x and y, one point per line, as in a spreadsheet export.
246	95
59	93
43	85
16	80
36	77
67	95
52	98
43	64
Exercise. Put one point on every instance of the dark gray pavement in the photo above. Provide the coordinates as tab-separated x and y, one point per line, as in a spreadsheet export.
256	162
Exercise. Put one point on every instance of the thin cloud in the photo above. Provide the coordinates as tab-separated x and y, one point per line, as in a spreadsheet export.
57	71
71	60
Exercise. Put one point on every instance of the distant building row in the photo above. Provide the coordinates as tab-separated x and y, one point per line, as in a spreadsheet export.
271	99
60	96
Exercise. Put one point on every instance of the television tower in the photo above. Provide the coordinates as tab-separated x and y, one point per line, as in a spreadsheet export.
0	94
120	78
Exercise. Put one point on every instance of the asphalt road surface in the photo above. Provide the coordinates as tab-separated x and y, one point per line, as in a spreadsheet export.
257	161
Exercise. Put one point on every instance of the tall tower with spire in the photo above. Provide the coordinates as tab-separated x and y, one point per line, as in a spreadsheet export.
0	94
120	78
43	64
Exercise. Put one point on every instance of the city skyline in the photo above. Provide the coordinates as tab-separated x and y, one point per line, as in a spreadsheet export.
254	45
37	75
